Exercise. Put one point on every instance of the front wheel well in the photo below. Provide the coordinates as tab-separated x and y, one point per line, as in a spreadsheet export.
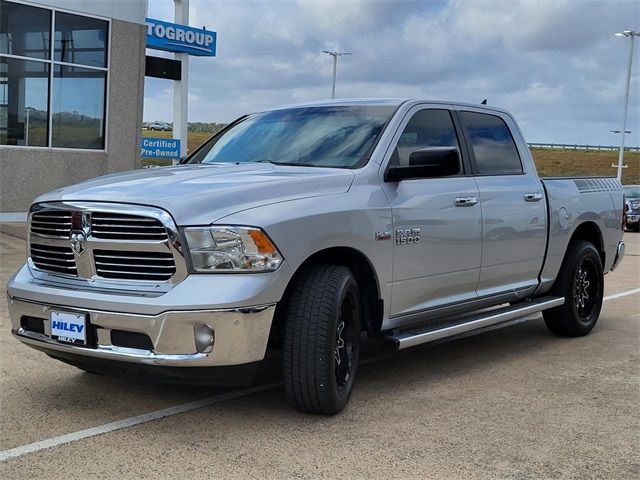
358	263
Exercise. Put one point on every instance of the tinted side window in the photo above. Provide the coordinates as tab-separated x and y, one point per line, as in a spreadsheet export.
492	143
427	128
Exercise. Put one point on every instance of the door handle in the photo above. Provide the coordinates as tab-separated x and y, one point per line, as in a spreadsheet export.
466	201
532	197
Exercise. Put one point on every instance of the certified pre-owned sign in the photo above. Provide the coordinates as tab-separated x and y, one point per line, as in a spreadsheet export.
180	38
153	147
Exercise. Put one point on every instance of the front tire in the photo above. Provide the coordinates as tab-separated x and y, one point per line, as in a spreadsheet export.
581	283
321	339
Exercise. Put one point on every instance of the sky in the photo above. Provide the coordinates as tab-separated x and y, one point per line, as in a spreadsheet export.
555	64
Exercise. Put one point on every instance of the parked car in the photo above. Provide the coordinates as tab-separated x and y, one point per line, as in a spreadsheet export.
632	210
163	127
300	229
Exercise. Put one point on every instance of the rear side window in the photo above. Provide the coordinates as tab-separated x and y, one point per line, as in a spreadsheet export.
492	143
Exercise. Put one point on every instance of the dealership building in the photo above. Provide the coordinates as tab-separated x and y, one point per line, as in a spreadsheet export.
71	94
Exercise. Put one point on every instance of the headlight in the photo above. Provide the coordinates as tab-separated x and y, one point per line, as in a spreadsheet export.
231	249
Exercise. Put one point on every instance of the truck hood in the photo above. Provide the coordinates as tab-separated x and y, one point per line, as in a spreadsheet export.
201	194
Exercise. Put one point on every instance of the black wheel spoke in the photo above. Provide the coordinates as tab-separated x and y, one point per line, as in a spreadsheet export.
586	289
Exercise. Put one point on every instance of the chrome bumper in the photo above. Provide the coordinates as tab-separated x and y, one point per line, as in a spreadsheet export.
240	335
619	255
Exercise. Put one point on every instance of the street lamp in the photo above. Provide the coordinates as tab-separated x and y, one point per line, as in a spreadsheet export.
631	34
335	56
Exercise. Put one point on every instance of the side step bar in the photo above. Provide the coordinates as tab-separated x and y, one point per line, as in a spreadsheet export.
411	338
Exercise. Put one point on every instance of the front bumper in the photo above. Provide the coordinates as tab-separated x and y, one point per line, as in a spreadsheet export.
240	334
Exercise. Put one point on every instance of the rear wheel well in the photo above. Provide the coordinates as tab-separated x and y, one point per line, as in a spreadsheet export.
589	232
357	262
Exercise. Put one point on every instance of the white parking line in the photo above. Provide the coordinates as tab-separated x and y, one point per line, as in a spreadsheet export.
130	422
170	411
621	294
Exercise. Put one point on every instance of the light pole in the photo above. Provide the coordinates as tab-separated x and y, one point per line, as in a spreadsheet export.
335	56
631	34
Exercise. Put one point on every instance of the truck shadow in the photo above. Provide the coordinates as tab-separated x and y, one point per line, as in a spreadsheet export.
381	370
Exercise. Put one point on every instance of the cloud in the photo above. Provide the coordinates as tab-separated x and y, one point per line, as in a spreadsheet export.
554	64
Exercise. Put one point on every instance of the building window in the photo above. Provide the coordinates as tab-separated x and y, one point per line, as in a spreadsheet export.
25	30
26	84
52	94
78	107
80	40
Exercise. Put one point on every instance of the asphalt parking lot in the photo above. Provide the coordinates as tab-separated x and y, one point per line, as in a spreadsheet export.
511	403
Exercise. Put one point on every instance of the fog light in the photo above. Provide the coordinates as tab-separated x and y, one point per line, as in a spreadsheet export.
204	338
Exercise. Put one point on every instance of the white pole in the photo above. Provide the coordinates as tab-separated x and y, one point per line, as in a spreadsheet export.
631	35
335	56
26	128
181	87
335	67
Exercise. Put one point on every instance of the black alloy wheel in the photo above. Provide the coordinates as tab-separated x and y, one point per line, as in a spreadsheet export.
581	282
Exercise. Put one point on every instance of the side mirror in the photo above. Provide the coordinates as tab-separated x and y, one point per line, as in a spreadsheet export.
428	162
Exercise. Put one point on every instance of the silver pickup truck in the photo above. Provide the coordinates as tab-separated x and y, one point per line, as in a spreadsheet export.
299	230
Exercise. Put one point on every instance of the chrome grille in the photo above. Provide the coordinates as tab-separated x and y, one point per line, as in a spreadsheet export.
134	265
53	258
52	223
118	226
115	246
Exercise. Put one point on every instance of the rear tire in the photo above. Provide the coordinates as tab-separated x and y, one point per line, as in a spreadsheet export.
321	339
581	283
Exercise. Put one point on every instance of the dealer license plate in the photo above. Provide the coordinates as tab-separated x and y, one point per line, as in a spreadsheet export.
68	327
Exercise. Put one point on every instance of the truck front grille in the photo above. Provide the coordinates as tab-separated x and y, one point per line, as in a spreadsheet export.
52	223
117	226
134	265
53	258
108	243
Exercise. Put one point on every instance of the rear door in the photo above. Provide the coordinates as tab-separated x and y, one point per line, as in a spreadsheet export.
436	235
514	213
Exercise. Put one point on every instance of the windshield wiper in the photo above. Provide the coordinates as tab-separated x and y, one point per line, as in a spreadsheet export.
268	160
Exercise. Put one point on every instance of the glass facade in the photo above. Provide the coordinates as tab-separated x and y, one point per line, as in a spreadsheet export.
52	94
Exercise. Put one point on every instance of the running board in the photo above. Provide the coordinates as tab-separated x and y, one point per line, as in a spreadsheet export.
411	338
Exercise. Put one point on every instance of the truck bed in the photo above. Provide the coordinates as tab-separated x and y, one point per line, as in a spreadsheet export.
573	200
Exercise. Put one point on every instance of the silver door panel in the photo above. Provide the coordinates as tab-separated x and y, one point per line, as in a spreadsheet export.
444	266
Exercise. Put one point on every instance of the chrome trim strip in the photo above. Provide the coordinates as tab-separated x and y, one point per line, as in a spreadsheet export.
135	355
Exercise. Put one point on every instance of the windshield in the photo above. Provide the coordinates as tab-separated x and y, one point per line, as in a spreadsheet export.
336	136
632	192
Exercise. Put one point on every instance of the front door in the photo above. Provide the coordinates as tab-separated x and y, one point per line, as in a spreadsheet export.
436	223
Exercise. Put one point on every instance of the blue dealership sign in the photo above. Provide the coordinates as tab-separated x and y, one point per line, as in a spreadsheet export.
160	147
172	37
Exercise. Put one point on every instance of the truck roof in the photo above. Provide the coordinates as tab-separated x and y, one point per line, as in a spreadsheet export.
386	101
